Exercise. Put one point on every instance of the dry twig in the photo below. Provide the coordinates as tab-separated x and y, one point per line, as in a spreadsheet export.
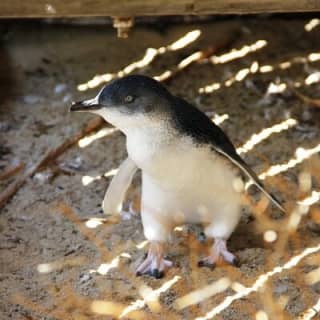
11	170
47	158
311	101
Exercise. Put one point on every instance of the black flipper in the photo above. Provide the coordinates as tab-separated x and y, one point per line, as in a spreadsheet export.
239	162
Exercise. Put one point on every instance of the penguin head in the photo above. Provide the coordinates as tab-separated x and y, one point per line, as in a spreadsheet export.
128	102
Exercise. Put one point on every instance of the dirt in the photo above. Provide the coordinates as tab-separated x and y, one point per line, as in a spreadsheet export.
41	66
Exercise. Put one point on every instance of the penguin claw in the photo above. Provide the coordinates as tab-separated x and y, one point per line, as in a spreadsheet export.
154	263
147	267
219	252
156	273
236	262
205	263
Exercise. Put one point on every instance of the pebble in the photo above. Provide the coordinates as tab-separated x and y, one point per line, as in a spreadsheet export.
74	164
31	99
67	98
281	288
85	278
4	126
43	177
306	115
59	88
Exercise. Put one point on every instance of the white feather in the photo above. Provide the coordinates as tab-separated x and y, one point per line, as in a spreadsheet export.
182	182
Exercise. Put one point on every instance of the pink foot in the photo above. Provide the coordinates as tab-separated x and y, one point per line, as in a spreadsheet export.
155	264
219	252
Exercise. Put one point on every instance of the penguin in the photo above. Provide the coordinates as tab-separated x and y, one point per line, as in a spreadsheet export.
189	167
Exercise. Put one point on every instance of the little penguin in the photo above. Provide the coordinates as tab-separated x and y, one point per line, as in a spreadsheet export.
188	167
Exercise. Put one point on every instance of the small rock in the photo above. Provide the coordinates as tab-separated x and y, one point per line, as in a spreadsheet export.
59	88
43	176
306	115
281	288
31	99
73	165
73	249
4	126
115	239
67	98
85	278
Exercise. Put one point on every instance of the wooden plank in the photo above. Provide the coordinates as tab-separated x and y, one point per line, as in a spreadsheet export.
77	8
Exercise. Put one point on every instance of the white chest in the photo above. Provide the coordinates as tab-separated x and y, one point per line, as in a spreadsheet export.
146	146
181	177
176	164
161	155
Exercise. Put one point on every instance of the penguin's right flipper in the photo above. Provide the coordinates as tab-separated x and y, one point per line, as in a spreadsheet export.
113	199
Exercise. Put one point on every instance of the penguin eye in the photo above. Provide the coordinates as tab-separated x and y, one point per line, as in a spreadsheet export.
128	99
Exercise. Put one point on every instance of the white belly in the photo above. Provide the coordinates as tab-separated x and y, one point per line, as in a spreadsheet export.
181	181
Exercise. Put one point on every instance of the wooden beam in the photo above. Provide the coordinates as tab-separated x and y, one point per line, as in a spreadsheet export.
85	8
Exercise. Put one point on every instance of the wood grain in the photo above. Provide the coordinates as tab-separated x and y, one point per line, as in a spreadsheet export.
74	8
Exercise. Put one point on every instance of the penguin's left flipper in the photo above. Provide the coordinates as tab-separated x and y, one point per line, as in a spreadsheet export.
113	199
239	162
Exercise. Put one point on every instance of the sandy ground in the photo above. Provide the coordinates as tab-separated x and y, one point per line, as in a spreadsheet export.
40	69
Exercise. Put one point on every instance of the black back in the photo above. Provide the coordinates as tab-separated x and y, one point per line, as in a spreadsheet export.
198	125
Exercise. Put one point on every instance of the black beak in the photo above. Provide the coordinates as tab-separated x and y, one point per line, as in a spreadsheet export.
85	105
